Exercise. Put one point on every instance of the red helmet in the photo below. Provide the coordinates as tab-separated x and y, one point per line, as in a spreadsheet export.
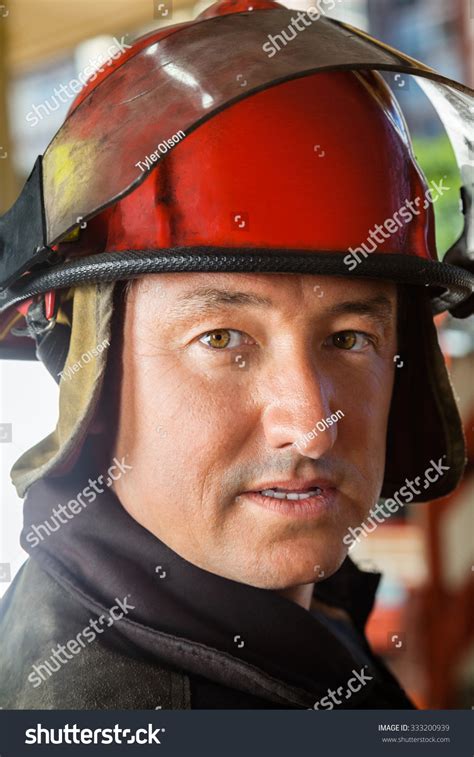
281	171
299	162
166	87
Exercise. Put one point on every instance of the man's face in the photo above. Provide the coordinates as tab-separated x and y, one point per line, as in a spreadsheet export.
224	378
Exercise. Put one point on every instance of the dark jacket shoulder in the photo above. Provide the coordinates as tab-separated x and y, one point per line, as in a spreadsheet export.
36	615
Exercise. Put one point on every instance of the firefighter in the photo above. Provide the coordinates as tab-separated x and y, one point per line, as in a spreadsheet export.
216	279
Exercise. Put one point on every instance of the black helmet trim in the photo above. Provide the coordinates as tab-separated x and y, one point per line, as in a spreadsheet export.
447	285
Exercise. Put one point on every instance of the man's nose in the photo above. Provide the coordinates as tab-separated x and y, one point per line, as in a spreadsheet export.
297	397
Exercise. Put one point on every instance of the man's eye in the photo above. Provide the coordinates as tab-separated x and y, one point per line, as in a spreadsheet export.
353	341
219	339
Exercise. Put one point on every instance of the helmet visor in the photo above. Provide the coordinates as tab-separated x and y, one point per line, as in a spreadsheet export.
164	92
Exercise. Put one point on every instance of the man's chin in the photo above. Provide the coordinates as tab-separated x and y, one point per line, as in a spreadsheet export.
280	572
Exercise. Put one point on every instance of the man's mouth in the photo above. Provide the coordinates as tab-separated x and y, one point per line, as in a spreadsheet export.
288	494
296	488
296	498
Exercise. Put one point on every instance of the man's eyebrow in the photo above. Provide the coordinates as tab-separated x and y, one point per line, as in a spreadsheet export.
205	299
380	308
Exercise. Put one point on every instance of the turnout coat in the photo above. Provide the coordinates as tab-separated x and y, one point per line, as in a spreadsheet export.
103	615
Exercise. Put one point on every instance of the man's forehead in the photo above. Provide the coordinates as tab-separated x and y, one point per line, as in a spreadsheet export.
195	292
266	287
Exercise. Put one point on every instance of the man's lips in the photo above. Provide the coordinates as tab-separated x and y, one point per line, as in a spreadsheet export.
296	485
302	498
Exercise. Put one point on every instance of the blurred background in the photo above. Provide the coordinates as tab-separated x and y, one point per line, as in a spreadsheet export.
423	623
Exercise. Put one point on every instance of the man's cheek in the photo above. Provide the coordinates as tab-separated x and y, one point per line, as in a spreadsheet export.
361	447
